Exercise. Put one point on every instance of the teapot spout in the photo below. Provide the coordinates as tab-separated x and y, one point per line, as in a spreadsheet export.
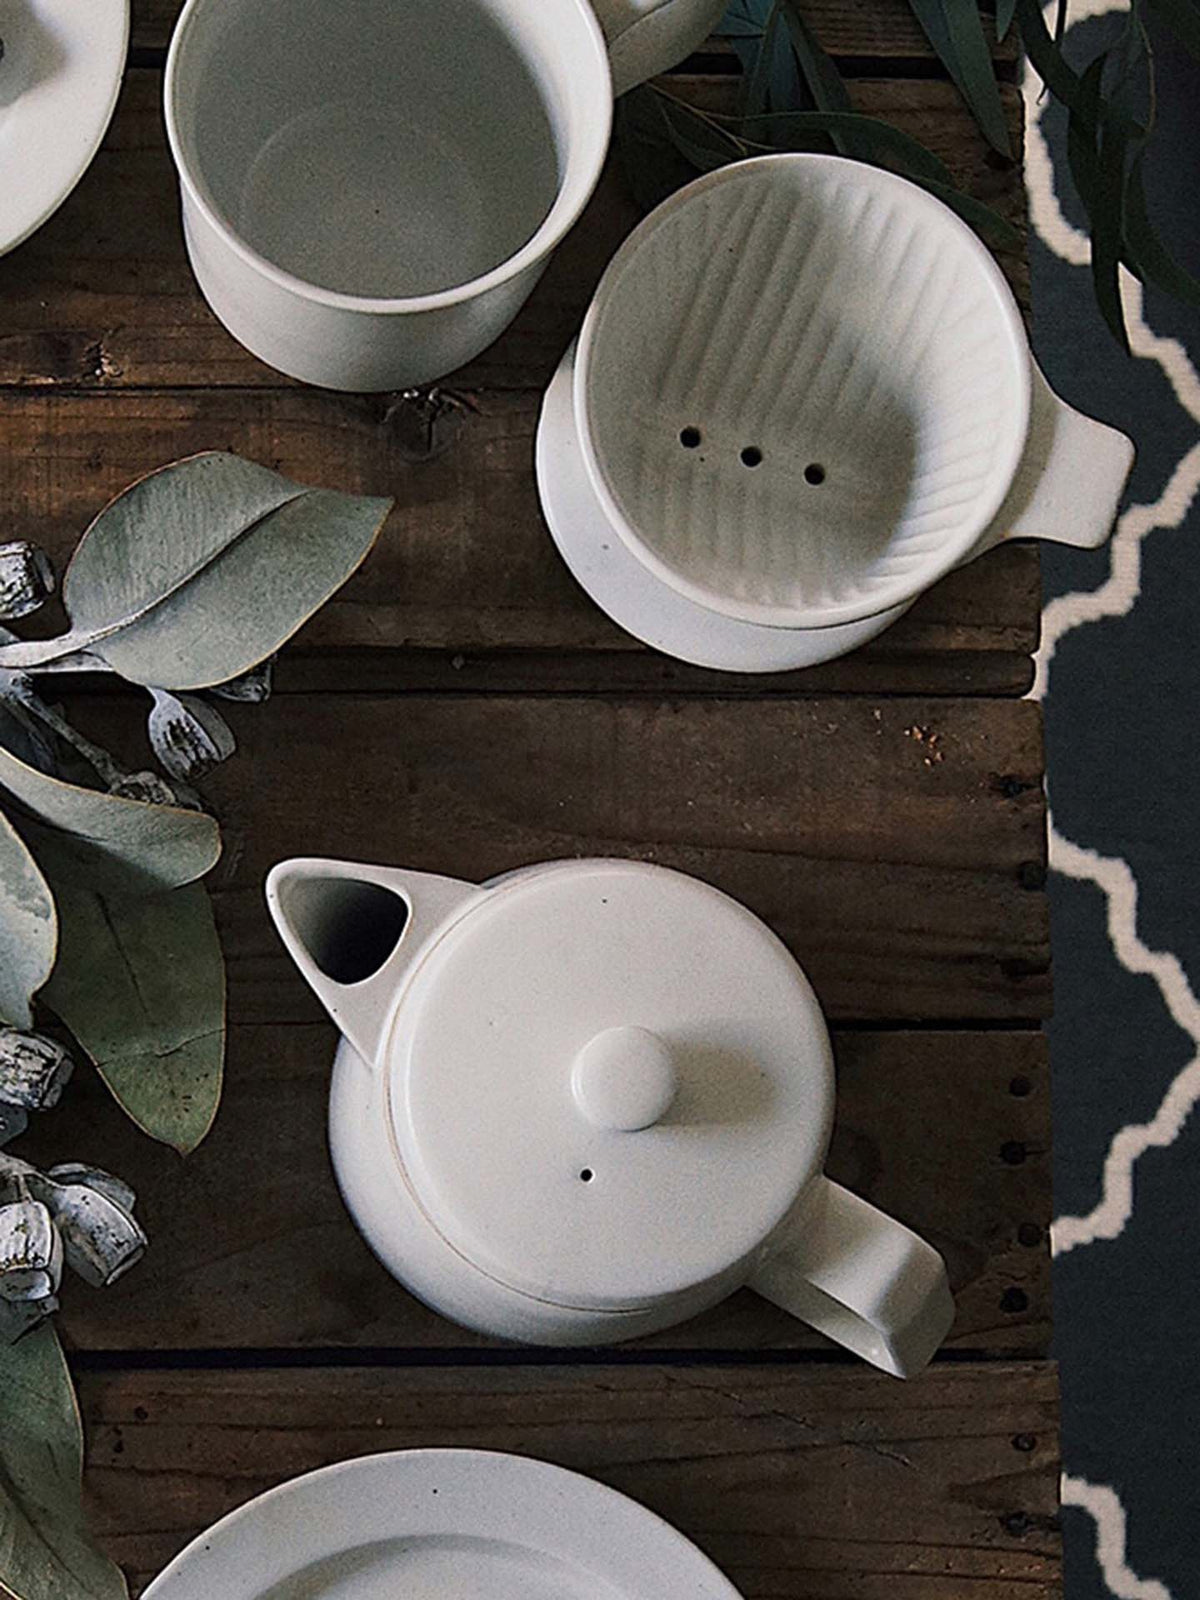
355	931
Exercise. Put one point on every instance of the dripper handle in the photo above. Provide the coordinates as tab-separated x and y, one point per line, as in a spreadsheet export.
646	37
860	1277
1069	485
356	931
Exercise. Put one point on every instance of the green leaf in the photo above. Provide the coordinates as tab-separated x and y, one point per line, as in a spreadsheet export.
1145	252
652	166
955	30
141	984
874	141
201	570
701	141
45	1551
152	847
28	928
818	70
1005	10
1107	217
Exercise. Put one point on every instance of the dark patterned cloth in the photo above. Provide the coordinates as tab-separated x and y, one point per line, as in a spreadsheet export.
1120	679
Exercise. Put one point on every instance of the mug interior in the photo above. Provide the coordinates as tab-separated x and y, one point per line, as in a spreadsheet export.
387	149
803	389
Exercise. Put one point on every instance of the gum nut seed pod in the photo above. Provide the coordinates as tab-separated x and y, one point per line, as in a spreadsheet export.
101	1240
252	688
116	1189
26	578
13	1122
147	787
31	1251
34	1070
19	1316
189	737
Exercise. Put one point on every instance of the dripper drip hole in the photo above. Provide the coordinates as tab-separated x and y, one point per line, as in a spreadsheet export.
586	1175
751	455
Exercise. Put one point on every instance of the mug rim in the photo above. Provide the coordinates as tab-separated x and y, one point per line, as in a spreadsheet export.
575	189
951	554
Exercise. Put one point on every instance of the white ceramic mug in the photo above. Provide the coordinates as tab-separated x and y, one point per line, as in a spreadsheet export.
372	189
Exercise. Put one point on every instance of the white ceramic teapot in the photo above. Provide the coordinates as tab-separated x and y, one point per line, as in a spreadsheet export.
371	190
589	1099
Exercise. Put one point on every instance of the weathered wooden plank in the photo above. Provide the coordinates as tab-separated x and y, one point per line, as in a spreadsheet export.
465	564
103	297
802	1484
252	1248
898	846
869	30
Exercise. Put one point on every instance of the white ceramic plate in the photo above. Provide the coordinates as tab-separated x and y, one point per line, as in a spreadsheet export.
59	79
636	598
430	1524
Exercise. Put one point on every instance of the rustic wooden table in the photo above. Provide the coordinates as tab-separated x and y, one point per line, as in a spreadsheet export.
463	709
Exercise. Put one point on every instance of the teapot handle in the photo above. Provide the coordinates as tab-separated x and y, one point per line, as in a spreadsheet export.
1069	484
646	37
866	1281
356	931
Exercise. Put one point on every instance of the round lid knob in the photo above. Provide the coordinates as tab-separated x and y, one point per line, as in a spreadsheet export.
608	1083
624	1079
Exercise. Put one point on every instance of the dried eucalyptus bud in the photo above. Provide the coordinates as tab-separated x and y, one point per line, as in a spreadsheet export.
26	579
252	688
147	787
104	1183
189	736
13	1122
34	1070
31	1251
99	1236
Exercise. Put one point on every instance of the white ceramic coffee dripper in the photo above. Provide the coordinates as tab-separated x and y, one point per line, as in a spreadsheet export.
371	190
802	394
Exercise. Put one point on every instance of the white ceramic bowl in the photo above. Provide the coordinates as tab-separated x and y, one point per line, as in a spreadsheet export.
434	1524
59	80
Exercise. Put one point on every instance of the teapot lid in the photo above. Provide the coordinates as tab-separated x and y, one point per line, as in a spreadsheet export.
608	1083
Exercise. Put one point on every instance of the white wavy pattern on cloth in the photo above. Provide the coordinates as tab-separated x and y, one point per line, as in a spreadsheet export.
1113	876
1115	598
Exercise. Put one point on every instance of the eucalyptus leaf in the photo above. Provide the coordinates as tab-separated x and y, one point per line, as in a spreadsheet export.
769	83
45	1552
155	847
818	70
1106	218
652	166
203	569
955	30
140	982
1145	251
28	928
